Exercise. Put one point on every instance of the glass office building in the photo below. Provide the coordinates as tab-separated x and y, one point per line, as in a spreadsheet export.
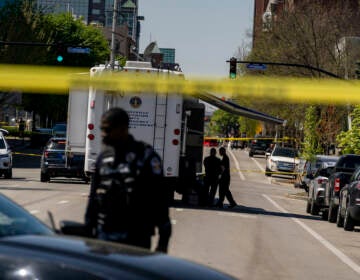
168	55
78	8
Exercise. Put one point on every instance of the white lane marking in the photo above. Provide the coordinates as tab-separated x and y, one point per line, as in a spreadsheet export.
179	209
237	215
34	211
173	222
242	177
63	201
345	259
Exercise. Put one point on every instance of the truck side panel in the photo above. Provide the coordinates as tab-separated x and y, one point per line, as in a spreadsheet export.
172	139
93	134
77	120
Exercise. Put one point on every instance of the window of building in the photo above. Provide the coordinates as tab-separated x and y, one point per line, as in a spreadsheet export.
95	11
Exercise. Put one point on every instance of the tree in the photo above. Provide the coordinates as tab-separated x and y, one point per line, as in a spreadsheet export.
21	21
349	141
70	32
307	35
64	30
222	124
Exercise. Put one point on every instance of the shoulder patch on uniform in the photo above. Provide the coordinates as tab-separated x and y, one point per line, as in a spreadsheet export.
156	165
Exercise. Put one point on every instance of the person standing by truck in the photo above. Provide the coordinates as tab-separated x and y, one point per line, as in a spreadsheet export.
128	197
212	173
224	182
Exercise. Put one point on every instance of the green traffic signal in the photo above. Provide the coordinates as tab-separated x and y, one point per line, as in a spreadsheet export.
233	68
59	58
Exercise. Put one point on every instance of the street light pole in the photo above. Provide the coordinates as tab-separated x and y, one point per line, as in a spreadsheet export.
112	54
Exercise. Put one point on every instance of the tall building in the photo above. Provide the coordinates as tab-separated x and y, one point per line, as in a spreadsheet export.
100	13
78	8
168	55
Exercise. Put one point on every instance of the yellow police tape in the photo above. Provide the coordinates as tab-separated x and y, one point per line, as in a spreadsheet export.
235	170
248	138
27	154
40	79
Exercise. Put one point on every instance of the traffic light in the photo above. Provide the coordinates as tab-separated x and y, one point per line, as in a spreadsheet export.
233	68
60	52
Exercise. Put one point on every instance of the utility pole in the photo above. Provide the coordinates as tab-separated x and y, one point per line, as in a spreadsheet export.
112	54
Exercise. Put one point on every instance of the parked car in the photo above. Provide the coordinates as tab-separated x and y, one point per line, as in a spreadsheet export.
282	161
29	249
6	160
55	162
211	143
317	185
311	167
339	177
348	214
259	145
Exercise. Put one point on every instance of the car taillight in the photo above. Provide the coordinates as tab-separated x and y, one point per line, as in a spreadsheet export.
322	181
46	154
337	185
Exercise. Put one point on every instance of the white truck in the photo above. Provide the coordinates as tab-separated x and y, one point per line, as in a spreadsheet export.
172	123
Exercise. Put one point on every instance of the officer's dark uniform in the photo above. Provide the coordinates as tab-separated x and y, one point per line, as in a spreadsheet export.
224	183
128	197
212	172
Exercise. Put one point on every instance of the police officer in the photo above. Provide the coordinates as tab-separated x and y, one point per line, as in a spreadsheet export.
128	198
212	166
224	182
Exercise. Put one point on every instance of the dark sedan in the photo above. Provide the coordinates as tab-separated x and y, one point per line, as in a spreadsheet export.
348	214
31	250
55	162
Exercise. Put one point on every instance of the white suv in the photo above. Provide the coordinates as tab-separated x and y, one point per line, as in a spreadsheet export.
5	156
282	161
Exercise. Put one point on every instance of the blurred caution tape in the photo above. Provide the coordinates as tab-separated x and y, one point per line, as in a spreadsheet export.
27	154
41	79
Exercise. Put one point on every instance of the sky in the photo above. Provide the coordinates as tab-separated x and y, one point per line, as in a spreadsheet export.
205	33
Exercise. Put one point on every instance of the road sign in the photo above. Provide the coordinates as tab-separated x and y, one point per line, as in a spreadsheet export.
78	50
256	66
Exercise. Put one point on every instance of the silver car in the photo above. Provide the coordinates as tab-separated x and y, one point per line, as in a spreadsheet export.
317	185
5	156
